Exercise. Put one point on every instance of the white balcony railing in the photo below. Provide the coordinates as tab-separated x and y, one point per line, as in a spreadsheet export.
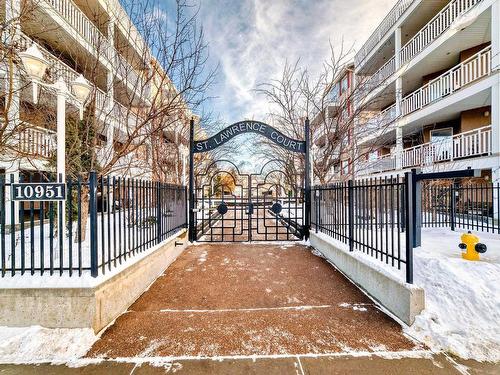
68	10
380	122
37	141
56	67
381	164
470	70
387	70
392	17
435	27
463	145
476	142
97	40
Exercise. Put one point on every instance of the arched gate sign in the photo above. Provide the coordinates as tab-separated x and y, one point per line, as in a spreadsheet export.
226	205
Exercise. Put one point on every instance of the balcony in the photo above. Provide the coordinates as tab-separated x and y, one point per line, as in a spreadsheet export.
389	21
383	163
37	141
84	27
377	125
473	143
56	67
470	70
435	28
379	77
130	75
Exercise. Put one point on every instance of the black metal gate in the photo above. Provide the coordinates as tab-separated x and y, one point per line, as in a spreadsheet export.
228	206
235	207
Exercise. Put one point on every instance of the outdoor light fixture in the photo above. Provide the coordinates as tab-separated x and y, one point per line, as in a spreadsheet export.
34	62
81	88
35	65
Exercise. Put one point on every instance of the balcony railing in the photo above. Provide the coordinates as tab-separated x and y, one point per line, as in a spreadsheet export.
476	142
470	70
381	164
37	141
435	27
81	23
387	70
392	17
92	35
56	67
379	122
463	145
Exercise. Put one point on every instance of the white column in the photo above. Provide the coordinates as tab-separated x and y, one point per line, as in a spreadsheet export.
399	147
110	87
184	161
495	90
495	99
12	12
61	128
399	97
62	91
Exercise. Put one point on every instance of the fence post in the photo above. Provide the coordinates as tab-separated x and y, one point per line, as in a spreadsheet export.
93	224
409	222
350	203
317	206
186	207
307	180
416	203
452	206
158	212
192	228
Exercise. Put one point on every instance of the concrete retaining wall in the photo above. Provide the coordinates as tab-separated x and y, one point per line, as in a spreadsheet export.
404	300
87	307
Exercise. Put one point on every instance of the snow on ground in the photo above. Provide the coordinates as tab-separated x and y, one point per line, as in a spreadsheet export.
462	298
37	344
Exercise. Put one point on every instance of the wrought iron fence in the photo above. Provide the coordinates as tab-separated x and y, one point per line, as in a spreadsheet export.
107	220
368	216
464	204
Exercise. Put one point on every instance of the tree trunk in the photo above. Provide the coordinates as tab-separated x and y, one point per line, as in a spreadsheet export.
84	207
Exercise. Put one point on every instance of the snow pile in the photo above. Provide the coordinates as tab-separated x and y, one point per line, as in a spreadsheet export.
462	298
38	344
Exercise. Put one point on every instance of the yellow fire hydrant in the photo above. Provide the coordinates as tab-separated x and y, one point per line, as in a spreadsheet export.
470	243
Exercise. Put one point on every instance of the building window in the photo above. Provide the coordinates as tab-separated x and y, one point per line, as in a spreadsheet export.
345	84
335	93
345	167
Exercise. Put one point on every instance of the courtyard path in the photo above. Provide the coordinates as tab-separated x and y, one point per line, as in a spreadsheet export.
242	300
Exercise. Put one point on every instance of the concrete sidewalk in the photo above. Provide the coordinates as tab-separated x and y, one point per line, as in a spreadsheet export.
293	365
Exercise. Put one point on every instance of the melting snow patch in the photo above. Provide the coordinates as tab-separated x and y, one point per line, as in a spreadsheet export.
168	366
203	257
39	344
354	306
317	253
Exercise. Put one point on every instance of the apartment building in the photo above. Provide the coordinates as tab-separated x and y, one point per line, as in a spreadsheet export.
331	158
431	72
83	59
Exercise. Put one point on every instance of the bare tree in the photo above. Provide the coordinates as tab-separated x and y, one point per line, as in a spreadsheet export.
158	79
337	125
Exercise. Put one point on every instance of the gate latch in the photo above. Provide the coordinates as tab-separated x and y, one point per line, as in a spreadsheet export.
249	209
